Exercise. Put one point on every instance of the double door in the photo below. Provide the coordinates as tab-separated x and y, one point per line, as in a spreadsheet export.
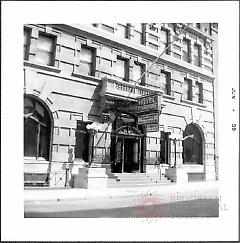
127	155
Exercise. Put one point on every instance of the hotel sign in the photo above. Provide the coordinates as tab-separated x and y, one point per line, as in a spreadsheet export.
148	118
153	127
149	103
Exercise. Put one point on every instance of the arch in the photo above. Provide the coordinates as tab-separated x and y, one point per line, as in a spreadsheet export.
193	144
38	123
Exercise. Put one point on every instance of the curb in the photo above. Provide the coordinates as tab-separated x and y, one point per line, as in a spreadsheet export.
84	194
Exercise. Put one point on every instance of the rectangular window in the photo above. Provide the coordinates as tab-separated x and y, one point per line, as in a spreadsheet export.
164	39
185	50
82	139
196	54
108	28
165	80
122	69
138	70
137	34
122	31
165	148
198	25
153	46
86	61
187	89
45	50
26	44
198	93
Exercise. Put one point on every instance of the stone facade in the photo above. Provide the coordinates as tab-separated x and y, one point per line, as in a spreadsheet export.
71	96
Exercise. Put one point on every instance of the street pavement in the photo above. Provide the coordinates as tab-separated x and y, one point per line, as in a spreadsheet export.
197	199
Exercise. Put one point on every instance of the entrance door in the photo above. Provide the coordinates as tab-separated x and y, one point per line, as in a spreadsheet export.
127	155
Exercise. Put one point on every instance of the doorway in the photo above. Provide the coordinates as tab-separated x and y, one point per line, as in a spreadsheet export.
127	155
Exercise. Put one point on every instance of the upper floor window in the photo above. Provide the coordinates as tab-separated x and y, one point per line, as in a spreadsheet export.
164	39
198	93
138	33
198	25
26	43
122	68
45	49
86	66
165	79
185	50
138	70
122	30
196	55
187	89
108	28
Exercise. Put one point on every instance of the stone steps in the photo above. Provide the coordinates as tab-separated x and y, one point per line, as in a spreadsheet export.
137	179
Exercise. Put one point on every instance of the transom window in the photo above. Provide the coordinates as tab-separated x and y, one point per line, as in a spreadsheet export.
45	49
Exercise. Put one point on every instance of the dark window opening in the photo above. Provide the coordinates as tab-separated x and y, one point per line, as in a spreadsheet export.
165	148
82	141
192	145
37	129
26	44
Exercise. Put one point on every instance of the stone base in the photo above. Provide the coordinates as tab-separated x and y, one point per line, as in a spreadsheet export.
177	174
90	178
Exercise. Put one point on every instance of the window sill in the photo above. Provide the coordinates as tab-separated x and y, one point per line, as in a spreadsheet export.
193	103
79	75
41	66
170	97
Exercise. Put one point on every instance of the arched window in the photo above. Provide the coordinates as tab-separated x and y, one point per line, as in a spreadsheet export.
192	145
37	129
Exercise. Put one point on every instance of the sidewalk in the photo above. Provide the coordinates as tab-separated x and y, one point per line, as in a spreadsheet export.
54	194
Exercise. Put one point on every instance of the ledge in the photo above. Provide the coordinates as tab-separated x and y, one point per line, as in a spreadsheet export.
170	97
41	66
92	78
193	103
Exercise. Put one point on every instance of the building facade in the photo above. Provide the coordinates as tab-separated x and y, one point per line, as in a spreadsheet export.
82	86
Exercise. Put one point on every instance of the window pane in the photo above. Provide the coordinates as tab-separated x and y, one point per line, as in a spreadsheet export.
187	90
137	37
138	27
121	31
185	45
45	43
107	28
137	72
120	68
43	58
85	68
86	54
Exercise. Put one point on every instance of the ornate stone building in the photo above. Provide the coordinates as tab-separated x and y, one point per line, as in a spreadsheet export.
84	84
